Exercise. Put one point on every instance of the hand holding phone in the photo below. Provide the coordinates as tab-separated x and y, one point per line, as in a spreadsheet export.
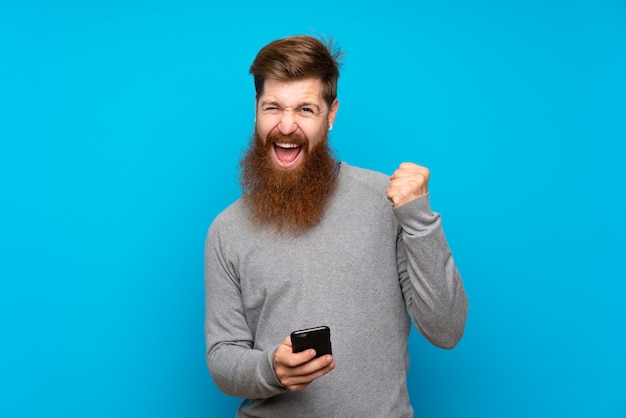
317	338
296	370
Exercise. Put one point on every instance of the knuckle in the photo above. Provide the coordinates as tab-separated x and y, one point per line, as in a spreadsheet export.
289	361
280	374
296	388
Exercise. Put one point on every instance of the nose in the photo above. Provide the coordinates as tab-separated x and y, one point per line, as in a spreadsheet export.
287	124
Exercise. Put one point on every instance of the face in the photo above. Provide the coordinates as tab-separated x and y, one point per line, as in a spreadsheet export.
294	117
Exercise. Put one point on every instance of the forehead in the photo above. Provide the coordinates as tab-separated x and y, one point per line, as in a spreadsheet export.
293	93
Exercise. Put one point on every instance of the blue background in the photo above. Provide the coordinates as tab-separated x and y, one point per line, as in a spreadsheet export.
121	125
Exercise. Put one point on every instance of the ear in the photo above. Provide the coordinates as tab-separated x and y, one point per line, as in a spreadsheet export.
332	113
256	109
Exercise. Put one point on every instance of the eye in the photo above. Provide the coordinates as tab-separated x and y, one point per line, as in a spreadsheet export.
307	111
271	109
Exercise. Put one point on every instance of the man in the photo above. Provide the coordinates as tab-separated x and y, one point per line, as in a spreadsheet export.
316	242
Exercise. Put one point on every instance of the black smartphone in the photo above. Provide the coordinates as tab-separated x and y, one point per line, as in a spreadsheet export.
317	338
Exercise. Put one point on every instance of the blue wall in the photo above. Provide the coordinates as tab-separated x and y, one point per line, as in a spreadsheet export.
121	125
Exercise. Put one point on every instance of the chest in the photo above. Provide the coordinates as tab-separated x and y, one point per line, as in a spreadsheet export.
340	269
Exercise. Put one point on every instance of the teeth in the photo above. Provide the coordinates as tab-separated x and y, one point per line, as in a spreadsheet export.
287	145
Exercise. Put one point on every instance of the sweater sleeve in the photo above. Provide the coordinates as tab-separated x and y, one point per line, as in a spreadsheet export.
432	286
236	367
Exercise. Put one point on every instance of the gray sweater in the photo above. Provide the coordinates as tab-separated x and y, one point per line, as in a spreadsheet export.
359	272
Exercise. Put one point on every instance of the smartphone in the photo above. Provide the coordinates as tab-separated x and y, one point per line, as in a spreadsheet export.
317	338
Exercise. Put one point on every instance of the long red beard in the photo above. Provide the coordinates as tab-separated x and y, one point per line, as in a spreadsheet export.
291	201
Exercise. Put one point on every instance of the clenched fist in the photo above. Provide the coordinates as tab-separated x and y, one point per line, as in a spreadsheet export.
408	182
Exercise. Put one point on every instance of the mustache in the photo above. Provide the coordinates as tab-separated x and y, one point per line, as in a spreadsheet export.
295	138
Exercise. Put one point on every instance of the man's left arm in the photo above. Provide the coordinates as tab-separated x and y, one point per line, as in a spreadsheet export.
431	283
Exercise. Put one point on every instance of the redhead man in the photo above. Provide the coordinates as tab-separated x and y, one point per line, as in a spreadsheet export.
314	241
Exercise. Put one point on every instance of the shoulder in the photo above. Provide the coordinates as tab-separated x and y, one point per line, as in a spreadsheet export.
364	178
230	220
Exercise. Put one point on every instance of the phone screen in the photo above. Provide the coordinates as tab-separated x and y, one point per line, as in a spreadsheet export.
317	338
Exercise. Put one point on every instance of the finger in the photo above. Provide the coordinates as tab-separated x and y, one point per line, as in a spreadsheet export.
412	180
288	358
411	171
312	367
404	190
287	341
304	381
408	182
315	366
303	376
410	166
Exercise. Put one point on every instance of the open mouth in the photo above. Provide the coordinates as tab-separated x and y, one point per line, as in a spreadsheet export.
287	155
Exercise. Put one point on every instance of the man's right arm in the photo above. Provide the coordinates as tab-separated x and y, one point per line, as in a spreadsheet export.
235	366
